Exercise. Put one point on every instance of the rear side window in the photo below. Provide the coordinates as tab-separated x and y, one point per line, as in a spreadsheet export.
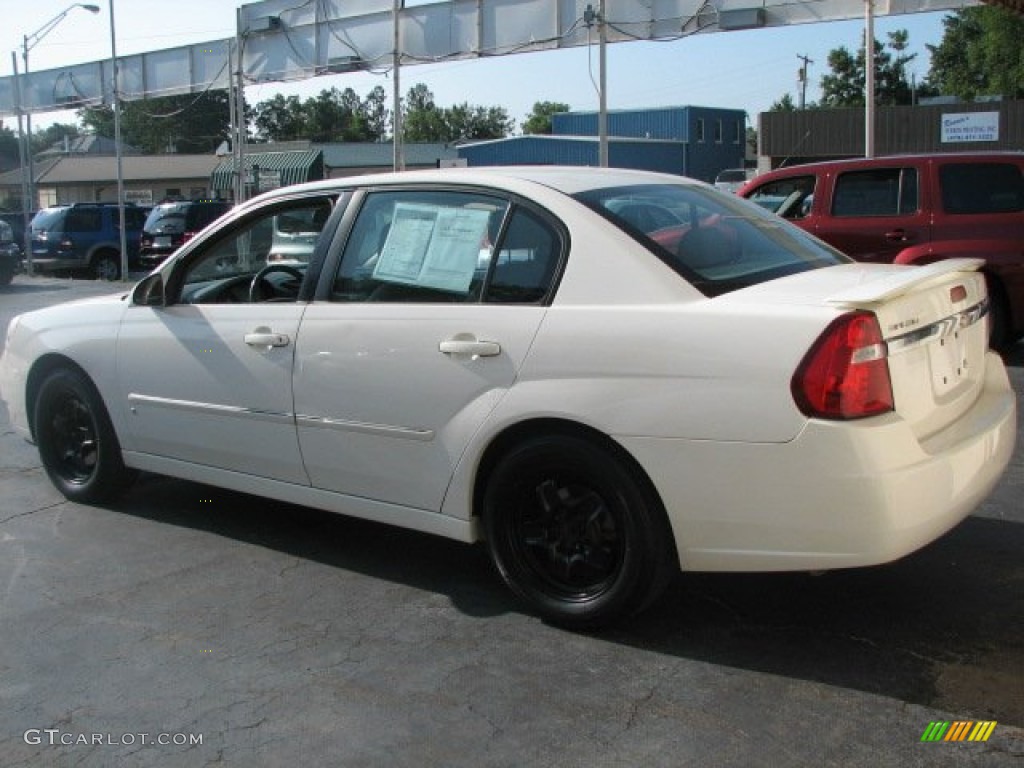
876	192
982	188
719	243
84	220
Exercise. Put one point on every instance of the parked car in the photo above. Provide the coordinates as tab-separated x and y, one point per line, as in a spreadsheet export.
732	179
16	222
10	254
169	225
496	354
85	236
916	210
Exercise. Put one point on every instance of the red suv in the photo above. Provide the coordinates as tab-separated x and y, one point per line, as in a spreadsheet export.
916	209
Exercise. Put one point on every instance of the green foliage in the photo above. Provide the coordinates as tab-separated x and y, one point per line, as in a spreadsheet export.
844	87
332	115
785	104
426	122
981	54
539	120
9	156
187	124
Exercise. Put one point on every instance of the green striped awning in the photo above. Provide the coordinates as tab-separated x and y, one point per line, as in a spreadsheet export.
270	170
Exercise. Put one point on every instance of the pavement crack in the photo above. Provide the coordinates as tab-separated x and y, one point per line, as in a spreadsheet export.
33	511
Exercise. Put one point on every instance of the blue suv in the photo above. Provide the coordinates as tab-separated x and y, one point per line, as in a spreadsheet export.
84	236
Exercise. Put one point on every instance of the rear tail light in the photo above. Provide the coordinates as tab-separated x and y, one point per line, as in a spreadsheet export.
845	375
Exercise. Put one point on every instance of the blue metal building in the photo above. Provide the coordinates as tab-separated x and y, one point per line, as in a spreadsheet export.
689	141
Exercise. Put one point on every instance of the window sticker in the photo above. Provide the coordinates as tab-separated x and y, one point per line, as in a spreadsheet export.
432	246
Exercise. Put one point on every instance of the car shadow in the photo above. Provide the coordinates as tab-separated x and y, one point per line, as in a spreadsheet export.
942	628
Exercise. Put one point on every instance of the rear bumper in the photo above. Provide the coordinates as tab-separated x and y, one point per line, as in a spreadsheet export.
838	496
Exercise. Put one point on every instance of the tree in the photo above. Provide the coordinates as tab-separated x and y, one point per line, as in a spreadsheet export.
9	154
980	54
332	115
169	124
785	104
539	120
844	87
281	118
425	121
54	134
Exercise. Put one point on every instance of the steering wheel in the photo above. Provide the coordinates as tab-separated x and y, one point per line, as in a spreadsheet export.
260	278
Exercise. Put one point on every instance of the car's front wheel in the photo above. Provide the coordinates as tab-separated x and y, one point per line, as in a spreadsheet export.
574	532
77	443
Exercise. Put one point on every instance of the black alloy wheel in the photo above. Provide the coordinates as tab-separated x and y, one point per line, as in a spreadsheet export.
77	444
574	533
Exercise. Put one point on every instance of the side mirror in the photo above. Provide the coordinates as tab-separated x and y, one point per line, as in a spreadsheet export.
149	292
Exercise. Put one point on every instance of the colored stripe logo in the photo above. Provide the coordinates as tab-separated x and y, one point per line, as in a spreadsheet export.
958	730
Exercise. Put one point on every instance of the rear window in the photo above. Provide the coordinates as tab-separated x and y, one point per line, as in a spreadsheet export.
717	242
49	220
199	215
982	188
164	215
876	192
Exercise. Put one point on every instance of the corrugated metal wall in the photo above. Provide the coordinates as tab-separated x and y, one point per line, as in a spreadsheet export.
663	156
827	133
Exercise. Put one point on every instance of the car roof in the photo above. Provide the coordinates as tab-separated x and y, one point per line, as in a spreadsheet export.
566	179
890	159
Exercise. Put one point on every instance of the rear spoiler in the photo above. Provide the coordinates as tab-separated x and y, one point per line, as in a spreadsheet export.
905	281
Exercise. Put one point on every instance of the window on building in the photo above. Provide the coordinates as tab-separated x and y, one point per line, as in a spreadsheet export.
699	129
718	131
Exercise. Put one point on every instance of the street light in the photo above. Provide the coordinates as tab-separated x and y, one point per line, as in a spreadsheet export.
28	43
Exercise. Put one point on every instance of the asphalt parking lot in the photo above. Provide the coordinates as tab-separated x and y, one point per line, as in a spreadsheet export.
191	626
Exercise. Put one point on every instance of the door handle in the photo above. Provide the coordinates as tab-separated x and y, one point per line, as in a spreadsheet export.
900	236
467	344
266	338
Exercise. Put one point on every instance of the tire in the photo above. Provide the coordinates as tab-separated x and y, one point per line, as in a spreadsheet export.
574	534
1001	335
76	440
106	265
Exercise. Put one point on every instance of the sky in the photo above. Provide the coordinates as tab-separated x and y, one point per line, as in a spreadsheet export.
746	70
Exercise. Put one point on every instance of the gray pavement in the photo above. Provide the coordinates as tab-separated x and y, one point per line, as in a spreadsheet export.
277	635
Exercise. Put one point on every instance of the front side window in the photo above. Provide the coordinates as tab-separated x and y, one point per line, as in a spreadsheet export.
790	198
982	188
876	192
416	246
263	258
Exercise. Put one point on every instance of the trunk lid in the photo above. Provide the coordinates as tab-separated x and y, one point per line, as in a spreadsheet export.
933	320
934	323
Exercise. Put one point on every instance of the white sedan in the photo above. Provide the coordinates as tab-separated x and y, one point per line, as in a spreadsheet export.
497	354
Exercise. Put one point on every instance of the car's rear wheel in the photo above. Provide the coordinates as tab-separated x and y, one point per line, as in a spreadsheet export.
1002	333
77	443
574	533
106	265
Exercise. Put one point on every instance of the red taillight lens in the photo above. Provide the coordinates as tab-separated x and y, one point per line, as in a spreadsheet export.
845	375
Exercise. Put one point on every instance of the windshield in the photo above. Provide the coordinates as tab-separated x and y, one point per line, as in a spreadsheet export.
717	242
166	217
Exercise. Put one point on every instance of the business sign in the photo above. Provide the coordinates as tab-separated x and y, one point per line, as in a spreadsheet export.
970	126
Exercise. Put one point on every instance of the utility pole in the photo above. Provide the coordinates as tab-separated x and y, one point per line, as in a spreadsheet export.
802	78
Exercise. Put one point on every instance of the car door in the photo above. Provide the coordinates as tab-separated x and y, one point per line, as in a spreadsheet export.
416	336
206	379
875	213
